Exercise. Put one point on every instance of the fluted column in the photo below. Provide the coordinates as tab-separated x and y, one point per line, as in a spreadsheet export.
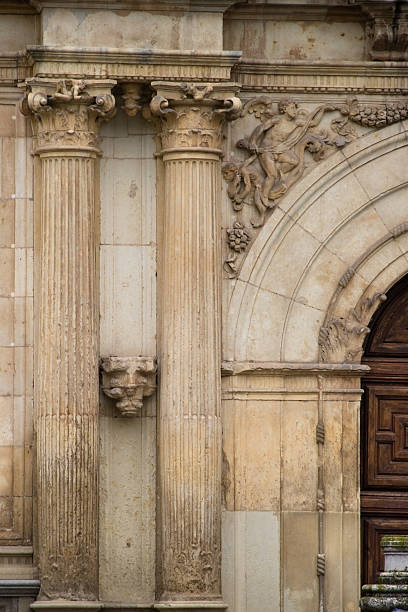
189	487
65	117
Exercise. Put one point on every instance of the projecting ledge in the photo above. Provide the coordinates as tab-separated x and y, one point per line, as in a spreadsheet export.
190	606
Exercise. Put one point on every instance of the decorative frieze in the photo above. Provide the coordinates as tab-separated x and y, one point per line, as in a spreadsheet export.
322	78
124	65
128	380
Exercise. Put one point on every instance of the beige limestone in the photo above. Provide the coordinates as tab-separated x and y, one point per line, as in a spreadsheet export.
344	213
287	454
65	125
128	327
132	29
266	38
190	419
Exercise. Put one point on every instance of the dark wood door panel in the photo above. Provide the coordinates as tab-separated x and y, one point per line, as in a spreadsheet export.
385	437
384	430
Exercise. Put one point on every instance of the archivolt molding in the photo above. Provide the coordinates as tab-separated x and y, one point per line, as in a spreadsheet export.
335	244
285	139
341	337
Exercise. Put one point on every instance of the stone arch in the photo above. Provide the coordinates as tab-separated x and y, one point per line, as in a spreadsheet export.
336	242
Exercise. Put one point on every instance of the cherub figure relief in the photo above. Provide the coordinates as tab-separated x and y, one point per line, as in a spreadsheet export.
69	89
278	145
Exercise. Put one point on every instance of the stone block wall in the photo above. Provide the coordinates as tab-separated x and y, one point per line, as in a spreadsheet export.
128	328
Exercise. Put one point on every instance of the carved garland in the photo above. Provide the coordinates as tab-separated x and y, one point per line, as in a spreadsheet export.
276	154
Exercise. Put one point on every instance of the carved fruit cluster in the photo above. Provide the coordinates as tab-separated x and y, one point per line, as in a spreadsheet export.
238	238
376	116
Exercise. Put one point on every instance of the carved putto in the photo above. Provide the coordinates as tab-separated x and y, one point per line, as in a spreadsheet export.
285	140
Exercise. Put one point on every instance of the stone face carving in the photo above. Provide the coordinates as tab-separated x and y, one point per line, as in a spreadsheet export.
134	96
67	112
276	150
128	380
341	339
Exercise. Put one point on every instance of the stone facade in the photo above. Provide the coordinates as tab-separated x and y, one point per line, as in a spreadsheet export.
202	205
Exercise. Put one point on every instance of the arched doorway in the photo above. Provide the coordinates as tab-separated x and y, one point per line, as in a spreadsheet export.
384	429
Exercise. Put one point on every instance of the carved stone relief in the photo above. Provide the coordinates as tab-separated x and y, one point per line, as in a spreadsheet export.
341	339
286	139
196	114
67	112
387	29
128	380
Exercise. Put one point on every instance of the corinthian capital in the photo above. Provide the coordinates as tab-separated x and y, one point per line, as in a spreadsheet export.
66	113
191	115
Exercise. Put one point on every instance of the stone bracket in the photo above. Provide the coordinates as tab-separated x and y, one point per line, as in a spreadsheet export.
128	380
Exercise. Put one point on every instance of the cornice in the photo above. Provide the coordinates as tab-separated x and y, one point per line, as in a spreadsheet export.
131	64
19	7
305	76
296	11
267	368
14	67
208	6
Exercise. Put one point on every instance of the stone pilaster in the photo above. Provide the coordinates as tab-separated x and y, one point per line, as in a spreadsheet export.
189	487
65	117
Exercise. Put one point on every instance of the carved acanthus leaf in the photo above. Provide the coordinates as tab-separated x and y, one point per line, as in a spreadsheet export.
128	380
192	114
194	570
341	338
67	112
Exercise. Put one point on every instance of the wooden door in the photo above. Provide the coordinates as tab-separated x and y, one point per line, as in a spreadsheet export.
384	430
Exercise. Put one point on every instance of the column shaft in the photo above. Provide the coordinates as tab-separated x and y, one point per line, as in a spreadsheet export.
66	382
190	427
65	117
190	434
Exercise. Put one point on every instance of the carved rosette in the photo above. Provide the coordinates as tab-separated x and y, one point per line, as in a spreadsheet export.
128	380
67	113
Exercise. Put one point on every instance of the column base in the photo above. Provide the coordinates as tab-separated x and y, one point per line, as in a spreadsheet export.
65	605
193	606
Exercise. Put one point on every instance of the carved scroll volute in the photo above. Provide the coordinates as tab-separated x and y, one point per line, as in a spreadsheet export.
128	380
192	114
67	113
